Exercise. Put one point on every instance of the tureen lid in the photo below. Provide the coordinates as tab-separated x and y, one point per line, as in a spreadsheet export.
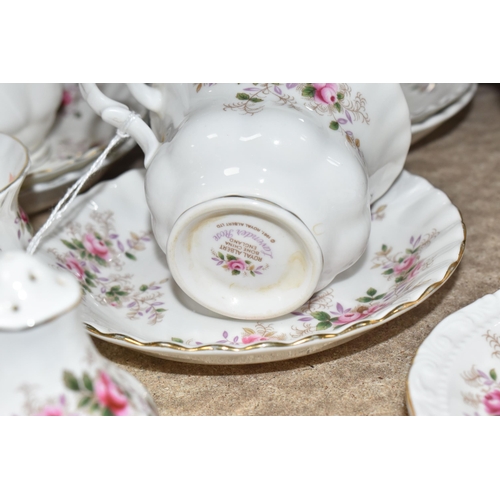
31	292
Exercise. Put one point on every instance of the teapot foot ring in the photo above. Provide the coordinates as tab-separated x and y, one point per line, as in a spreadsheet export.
244	258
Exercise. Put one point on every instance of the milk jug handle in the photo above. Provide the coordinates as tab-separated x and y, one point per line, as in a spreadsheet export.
118	115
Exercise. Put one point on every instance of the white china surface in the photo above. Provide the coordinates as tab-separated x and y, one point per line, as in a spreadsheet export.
457	368
421	129
105	239
426	99
76	139
78	135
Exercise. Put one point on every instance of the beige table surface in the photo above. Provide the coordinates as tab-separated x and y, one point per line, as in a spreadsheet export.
366	376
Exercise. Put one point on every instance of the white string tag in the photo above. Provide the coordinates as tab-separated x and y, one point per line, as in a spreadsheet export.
71	193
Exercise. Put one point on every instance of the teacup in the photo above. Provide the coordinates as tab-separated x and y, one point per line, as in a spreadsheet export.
15	229
28	111
259	193
48	363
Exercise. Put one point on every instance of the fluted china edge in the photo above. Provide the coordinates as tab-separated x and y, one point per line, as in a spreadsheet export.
416	243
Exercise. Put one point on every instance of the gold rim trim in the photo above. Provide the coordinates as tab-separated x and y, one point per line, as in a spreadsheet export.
409	402
320	336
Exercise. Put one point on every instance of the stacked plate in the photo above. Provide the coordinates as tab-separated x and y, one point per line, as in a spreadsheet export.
76	139
432	104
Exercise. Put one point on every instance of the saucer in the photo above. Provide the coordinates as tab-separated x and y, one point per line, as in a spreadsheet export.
421	129
77	138
130	299
456	370
426	99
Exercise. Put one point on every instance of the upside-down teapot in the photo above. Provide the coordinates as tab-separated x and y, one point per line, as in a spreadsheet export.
260	192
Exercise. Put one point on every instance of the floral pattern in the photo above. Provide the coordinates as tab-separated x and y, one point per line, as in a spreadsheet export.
95	255
24	224
486	384
378	213
94	392
326	99
322	313
237	266
400	268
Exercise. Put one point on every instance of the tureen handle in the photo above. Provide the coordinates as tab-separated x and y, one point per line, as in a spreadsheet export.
118	115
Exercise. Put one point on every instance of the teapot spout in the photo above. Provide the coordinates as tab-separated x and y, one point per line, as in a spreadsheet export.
118	115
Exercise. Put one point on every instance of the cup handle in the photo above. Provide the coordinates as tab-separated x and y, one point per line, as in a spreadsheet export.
118	115
148	96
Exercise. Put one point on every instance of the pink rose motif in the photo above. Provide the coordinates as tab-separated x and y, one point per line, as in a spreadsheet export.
236	265
348	317
492	402
95	246
326	93
415	270
373	309
23	215
67	98
51	411
253	338
74	266
110	396
405	265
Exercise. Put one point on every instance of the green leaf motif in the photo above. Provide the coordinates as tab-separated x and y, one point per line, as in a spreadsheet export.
130	256
308	91
106	412
365	300
247	262
338	107
321	316
256	99
235	272
69	245
221	255
252	273
334	125
399	279
100	261
143	288
493	374
323	325
378	297
389	271
84	401
242	96
384	248
371	292
340	96
231	257
70	381
177	339
87	382
160	310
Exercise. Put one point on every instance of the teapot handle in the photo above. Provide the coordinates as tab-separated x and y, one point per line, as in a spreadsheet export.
118	115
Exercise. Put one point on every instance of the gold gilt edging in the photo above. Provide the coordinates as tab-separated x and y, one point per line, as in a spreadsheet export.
319	336
409	402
